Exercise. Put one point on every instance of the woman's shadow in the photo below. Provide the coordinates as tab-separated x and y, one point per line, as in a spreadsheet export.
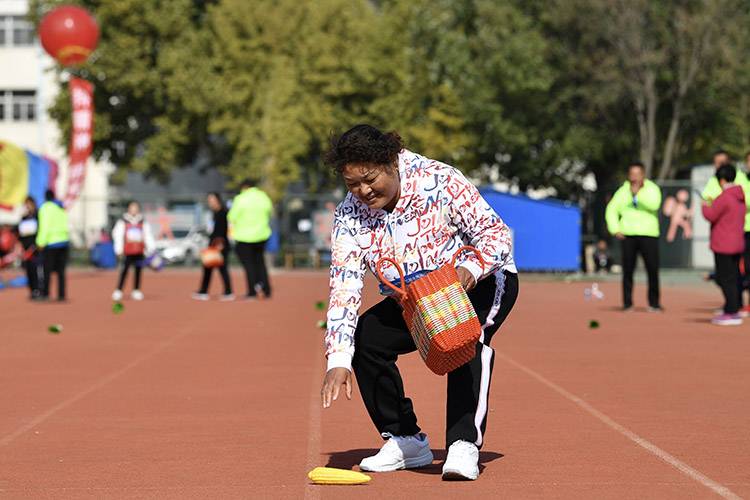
348	459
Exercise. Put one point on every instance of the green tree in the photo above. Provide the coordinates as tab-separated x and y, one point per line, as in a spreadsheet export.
144	80
648	74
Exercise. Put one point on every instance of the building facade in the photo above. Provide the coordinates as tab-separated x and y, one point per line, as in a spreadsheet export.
28	86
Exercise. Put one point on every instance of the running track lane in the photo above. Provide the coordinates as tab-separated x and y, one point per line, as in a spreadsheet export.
166	401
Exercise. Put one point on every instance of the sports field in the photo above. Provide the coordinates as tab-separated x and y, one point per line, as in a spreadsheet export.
174	398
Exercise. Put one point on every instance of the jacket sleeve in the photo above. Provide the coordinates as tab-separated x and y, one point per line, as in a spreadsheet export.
713	211
118	237
42	234
649	197
347	276
234	211
744	182
612	213
220	226
712	189
476	220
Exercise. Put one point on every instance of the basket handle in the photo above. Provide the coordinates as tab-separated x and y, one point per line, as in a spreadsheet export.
400	291
467	248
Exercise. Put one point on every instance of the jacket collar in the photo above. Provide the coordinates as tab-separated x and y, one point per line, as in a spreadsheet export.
132	219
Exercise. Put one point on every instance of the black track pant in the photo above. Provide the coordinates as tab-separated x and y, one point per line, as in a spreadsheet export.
55	261
223	270
382	335
135	261
251	256
746	263
727	275
34	275
648	247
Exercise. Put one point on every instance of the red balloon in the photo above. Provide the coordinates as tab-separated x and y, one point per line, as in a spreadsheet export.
69	34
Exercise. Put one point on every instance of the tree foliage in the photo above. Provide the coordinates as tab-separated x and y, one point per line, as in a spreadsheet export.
538	93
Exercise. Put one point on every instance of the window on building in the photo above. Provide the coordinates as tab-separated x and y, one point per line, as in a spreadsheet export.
23	31
16	31
18	105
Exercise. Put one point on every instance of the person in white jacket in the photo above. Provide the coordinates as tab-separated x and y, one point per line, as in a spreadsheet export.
133	240
417	211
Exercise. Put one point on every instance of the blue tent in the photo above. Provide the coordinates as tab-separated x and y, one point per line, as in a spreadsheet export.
546	233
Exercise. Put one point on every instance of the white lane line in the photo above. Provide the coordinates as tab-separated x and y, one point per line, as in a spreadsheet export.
709	483
314	428
94	387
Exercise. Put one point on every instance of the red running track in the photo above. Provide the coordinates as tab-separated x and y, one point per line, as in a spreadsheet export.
181	399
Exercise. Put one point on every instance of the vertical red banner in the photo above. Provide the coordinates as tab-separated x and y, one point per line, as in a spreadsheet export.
81	140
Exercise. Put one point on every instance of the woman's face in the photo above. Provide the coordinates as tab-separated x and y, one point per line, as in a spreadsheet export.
133	208
213	203
377	186
29	206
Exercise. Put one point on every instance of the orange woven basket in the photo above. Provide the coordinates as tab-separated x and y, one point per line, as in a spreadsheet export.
212	257
439	314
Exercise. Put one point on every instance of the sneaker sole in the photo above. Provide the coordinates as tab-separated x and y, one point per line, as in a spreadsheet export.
410	463
457	475
727	323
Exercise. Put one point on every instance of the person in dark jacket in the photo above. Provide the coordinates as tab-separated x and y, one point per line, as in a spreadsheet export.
27	229
727	217
218	239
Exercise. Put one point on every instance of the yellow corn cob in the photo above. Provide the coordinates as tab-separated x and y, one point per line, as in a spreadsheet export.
329	475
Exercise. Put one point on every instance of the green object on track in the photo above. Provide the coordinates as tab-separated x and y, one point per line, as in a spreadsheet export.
55	329
322	324
593	324
117	307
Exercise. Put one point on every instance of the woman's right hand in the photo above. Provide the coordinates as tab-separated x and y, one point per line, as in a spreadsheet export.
334	379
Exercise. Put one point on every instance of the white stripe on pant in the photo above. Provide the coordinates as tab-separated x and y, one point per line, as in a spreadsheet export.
487	353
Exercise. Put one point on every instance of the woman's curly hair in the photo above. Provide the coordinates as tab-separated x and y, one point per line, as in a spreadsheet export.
363	144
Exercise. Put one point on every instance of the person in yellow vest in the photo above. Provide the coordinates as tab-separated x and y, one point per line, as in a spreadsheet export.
633	218
250	219
53	240
713	190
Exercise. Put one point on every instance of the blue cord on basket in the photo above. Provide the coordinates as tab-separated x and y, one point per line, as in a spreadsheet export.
409	278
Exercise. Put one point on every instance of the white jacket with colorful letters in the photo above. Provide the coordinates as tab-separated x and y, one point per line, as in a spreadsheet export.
438	212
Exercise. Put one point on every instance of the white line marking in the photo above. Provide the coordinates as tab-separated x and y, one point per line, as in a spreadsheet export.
314	428
98	385
709	483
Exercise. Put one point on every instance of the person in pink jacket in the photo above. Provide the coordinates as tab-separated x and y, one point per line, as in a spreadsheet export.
727	217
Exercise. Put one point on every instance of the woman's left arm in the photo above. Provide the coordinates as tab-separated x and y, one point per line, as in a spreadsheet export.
479	223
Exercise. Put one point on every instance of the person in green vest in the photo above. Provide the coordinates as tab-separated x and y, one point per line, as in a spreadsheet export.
250	219
713	190
53	240
633	218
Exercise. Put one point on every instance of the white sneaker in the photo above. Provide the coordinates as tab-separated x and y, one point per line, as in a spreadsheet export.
117	295
200	296
136	295
462	462
227	297
399	452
